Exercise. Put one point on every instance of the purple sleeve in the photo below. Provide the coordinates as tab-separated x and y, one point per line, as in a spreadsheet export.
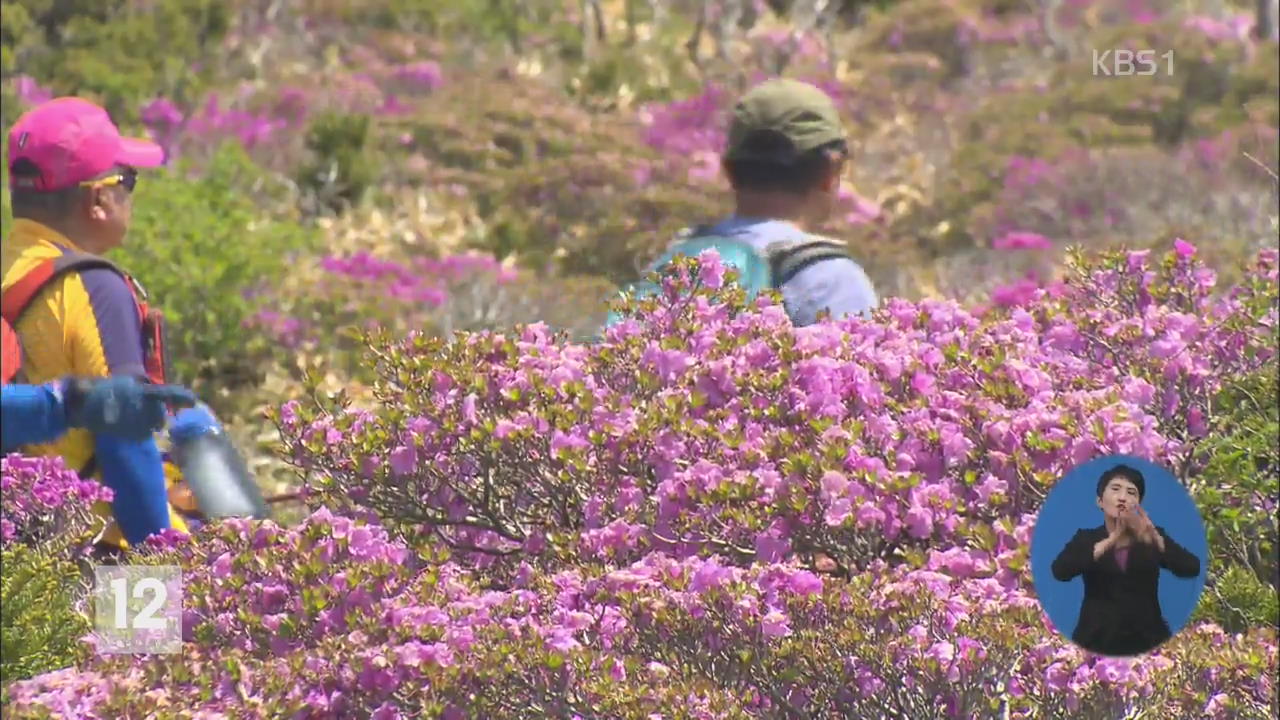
116	316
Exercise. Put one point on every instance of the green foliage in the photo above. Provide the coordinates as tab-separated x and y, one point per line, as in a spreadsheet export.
1237	489
508	21
201	247
618	73
18	32
40	627
1213	87
555	183
341	168
1237	601
925	26
120	52
9	108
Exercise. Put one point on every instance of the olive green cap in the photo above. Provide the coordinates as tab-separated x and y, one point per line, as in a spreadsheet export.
781	119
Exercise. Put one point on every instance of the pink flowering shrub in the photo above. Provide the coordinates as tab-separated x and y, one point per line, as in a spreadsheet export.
44	500
45	520
335	619
856	440
709	514
1098	197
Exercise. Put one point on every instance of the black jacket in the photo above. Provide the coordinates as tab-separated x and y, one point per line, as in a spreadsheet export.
1121	613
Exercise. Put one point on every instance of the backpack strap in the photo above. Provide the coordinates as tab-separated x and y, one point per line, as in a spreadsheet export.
12	354
788	258
17	299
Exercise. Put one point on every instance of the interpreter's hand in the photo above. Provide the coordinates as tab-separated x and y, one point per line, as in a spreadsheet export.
1144	529
122	406
1119	530
1121	527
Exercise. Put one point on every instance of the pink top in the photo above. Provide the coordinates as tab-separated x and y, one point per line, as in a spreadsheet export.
1122	557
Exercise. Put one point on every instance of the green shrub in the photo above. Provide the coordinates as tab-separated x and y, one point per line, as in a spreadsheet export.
341	169
1236	493
508	21
203	248
119	52
1213	87
40	627
1236	600
555	183
1237	489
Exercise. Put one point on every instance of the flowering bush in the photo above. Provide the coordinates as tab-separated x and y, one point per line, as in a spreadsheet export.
557	185
708	513
44	518
1209	186
45	502
465	291
1054	111
857	440
334	619
705	513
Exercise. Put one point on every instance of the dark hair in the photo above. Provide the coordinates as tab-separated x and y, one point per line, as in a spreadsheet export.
796	175
36	203
1127	473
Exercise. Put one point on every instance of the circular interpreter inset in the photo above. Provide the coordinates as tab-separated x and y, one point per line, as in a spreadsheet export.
1119	555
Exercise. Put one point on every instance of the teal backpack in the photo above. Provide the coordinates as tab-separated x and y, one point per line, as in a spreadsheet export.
758	270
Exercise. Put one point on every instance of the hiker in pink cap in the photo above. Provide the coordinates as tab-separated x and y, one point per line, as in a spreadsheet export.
71	141
75	314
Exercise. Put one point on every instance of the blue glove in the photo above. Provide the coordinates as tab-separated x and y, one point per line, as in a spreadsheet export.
121	406
192	422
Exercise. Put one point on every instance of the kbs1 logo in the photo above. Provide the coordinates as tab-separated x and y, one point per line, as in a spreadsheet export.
1124	63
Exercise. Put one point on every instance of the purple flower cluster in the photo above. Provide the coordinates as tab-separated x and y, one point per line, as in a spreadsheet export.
335	619
853	439
289	331
364	290
689	126
258	120
213	121
30	92
424	75
424	281
44	499
708	514
1235	27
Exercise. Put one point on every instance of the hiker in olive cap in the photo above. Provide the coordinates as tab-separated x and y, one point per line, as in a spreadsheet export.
786	150
784	158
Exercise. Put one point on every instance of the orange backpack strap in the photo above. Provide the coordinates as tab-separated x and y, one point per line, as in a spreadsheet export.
11	360
155	351
18	297
14	302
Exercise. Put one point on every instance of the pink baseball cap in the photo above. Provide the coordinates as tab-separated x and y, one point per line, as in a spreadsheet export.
71	140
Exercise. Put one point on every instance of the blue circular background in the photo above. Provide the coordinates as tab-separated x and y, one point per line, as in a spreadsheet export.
1072	505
